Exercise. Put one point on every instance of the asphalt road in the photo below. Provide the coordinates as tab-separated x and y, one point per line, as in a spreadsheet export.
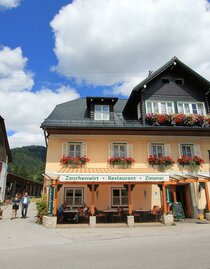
25	244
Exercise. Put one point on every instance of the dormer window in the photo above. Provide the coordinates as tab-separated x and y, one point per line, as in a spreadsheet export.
165	80
164	107
102	112
191	108
179	81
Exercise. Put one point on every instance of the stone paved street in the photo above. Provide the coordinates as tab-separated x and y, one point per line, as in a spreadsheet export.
25	244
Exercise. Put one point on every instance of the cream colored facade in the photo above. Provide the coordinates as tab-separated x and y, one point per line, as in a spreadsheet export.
97	149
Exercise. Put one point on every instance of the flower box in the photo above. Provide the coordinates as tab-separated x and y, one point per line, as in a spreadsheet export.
185	160
121	162
74	162
161	161
178	120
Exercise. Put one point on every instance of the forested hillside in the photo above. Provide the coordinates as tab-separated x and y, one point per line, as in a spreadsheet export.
28	161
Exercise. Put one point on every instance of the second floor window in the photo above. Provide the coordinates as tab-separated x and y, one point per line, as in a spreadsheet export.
101	112
187	150
157	150
191	108
74	149
159	107
119	150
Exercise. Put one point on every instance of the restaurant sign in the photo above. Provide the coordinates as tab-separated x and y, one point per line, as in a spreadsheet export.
114	178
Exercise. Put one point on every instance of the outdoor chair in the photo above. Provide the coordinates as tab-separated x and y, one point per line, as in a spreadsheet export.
118	216
156	212
100	216
137	217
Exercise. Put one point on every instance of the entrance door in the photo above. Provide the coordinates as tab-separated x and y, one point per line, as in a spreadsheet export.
183	196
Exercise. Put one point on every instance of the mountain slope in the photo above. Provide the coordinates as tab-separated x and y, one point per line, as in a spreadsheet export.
28	161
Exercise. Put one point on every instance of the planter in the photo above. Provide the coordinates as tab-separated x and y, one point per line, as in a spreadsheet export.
49	222
207	215
168	219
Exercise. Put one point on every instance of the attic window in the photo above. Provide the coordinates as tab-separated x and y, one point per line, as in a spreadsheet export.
165	80
179	81
101	112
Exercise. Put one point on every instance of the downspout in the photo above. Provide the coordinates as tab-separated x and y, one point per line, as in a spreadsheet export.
206	101
46	137
143	105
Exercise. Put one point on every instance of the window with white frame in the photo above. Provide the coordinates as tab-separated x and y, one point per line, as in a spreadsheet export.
102	112
187	150
157	150
161	107
191	108
74	197
119	150
119	197
74	149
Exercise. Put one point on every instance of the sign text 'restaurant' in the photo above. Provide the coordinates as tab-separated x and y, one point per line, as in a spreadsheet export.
114	178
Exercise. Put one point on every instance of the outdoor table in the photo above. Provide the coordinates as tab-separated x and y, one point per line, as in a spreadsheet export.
109	213
143	214
71	215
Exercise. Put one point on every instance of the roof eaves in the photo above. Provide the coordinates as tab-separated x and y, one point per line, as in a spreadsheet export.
6	140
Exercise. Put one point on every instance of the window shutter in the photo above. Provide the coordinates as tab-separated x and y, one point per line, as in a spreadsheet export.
139	110
65	149
149	148
83	149
110	150
197	150
180	150
130	150
167	149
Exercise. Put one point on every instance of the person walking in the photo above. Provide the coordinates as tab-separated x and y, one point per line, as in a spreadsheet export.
25	201
15	206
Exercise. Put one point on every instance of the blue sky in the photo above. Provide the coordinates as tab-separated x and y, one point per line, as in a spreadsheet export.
53	51
28	26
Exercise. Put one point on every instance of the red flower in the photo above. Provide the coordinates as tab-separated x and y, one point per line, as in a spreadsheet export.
121	161
154	160
78	161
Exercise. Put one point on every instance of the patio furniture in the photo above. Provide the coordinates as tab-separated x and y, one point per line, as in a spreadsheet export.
100	216
71	216
118	216
109	214
156	212
145	215
137	217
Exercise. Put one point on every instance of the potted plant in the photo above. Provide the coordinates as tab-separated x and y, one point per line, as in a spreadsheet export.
122	162
41	207
185	160
161	161
74	162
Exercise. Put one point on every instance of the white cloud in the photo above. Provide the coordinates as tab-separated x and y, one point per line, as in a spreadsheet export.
23	109
106	42
9	3
13	76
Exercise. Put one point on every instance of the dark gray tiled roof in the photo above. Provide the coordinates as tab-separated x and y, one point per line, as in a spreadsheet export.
74	114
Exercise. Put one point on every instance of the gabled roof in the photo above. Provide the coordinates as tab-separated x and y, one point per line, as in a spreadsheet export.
5	140
174	61
75	114
160	70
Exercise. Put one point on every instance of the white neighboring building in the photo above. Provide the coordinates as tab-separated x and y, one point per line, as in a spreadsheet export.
5	158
